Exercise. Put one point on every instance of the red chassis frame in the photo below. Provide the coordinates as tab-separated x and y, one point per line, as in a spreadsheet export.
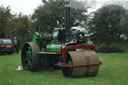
65	51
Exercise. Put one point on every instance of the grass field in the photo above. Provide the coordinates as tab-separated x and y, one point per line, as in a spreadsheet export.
114	71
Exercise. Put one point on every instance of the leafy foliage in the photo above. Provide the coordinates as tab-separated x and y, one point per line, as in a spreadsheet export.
46	16
21	27
105	25
14	25
124	23
5	15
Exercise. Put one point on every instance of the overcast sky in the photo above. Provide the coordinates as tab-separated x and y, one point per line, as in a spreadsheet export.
24	6
28	6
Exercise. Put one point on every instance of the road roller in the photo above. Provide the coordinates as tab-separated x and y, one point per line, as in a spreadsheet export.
64	48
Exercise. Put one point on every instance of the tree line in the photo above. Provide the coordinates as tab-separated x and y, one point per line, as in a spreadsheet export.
106	25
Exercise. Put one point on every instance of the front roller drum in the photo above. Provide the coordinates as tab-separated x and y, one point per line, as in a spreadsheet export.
29	56
81	58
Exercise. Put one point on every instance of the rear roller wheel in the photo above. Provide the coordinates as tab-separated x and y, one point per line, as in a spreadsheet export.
29	56
81	58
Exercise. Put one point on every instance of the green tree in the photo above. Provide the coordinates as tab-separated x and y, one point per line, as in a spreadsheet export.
21	27
124	23
5	15
46	15
105	25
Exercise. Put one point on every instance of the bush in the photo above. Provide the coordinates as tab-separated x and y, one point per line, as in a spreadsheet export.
121	45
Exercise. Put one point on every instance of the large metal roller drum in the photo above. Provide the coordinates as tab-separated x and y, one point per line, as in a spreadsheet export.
29	56
93	59
85	60
78	59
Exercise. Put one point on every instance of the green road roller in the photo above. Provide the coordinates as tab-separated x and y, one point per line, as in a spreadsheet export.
63	48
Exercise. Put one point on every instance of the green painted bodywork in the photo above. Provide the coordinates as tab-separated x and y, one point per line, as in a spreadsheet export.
34	38
35	35
55	34
70	62
54	47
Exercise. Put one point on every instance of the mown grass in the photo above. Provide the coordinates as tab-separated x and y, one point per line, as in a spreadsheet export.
114	71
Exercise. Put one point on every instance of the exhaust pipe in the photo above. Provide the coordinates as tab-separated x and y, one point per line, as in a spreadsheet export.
67	19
